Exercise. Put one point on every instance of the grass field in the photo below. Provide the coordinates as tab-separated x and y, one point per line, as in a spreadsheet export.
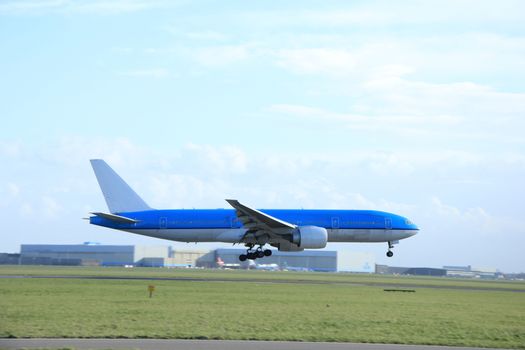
235	275
235	309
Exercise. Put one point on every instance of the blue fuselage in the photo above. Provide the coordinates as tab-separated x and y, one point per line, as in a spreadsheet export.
222	225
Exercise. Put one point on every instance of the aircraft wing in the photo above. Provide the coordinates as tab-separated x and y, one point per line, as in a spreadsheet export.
255	220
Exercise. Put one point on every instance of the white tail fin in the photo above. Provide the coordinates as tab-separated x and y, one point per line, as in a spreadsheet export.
119	196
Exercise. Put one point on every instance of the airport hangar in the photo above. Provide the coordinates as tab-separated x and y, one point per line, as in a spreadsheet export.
93	254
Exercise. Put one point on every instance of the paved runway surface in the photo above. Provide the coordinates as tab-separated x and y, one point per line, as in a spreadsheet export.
165	344
293	281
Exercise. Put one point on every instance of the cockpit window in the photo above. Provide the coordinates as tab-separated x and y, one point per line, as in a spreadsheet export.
408	222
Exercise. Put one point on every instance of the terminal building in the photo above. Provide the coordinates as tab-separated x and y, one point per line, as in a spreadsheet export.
89	254
78	254
416	271
94	254
472	272
446	271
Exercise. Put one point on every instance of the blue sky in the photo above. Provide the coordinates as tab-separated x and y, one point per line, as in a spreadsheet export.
414	107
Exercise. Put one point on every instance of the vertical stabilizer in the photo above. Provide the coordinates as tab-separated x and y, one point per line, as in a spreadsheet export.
119	196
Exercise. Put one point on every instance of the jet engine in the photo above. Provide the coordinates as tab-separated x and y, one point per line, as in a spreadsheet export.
310	237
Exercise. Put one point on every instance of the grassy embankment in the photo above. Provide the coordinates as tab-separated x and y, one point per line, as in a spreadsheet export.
259	310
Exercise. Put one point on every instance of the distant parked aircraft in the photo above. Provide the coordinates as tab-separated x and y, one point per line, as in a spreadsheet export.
285	229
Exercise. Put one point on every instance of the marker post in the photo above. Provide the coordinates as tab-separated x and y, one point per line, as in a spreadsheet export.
151	289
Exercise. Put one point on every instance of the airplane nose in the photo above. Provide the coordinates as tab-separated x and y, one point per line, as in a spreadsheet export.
410	233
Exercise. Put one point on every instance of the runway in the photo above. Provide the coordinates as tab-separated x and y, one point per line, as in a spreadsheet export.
177	344
273	281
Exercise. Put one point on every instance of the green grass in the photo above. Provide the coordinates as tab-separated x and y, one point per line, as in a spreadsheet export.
234	275
259	310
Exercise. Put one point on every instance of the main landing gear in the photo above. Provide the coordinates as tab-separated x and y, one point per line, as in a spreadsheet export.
390	253
254	254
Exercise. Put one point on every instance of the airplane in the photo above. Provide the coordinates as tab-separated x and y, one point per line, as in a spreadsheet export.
284	229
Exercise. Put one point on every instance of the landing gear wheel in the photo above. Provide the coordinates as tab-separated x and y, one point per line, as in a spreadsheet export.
389	253
267	252
259	253
251	256
242	257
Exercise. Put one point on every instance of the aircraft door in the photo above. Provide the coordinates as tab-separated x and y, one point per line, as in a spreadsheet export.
234	222
163	222
388	223
335	223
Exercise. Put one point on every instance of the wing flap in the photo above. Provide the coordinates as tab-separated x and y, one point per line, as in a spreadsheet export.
248	215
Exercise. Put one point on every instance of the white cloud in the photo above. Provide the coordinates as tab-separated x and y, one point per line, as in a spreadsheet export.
470	223
122	50
156	73
11	149
9	194
354	58
97	7
173	190
25	211
402	107
75	150
13	190
370	121
208	35
464	98
50	208
111	7
31	6
376	122
222	54
462	56
379	14
317	61
226	159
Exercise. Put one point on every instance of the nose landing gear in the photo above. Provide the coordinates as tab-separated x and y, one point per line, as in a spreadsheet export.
257	254
390	253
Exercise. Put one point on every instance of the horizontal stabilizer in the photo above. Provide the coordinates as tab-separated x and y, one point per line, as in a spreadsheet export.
116	218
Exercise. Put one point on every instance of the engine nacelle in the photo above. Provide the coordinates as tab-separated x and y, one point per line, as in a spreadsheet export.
310	237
